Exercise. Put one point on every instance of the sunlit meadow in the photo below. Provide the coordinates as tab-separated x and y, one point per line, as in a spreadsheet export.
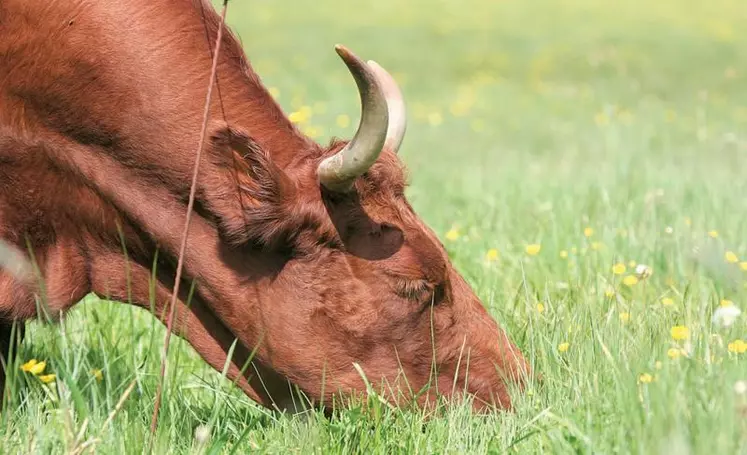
581	162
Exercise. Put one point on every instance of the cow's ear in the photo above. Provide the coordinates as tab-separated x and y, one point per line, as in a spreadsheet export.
251	196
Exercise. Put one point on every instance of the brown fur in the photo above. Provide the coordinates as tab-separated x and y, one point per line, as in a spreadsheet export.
100	113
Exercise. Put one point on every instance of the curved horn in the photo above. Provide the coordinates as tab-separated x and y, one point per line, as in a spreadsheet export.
395	104
339	171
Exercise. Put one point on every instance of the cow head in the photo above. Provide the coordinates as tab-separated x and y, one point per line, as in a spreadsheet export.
364	280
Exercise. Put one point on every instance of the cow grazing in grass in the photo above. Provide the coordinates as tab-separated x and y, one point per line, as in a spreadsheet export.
309	255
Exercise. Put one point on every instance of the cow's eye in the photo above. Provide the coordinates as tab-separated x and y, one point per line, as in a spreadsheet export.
415	290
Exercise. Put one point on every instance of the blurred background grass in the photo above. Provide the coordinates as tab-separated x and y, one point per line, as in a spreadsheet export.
529	122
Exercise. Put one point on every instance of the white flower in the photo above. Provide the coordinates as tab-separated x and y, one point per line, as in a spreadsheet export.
643	271
724	316
740	387
202	434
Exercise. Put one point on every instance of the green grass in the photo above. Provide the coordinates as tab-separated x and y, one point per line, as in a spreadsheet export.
529	121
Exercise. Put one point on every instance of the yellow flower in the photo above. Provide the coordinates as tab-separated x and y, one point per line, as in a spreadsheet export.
274	92
743	265
563	347
98	374
630	280
588	232
563	254
609	292
688	221
540	308
47	378
28	365
725	303
343	121
680	332
601	119
674	353
618	269
435	118
38	368
624	317
632	263
737	347
491	255
533	249
453	234
713	233
667	301
731	257
298	116
645	378
311	131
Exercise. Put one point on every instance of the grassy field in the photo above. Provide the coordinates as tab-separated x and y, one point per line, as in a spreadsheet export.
606	135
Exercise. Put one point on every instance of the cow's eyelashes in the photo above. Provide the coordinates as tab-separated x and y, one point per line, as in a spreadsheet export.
416	290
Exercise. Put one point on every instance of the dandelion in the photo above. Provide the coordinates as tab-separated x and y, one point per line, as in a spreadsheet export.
98	374
667	301
624	317
743	265
563	347
609	292
297	117
725	302
533	249
731	257
618	269
645	378
643	271
540	308
724	316
657	365
630	280
631	264
674	353
563	254
343	121
713	234
453	234
435	118
38	368
588	232
47	378
601	119
737	347
491	255
26	367
680	332
274	92
311	131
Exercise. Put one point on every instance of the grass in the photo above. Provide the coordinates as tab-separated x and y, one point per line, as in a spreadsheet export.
529	122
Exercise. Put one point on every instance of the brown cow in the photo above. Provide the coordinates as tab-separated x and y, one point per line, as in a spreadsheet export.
309	254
